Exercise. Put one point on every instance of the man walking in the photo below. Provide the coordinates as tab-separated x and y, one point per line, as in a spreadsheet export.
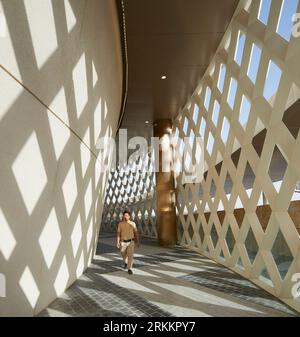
127	233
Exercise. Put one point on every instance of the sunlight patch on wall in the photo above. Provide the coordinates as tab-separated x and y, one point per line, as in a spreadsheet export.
95	75
85	152
3	24
29	287
80	266
76	236
50	238
70	189
9	92
80	85
89	235
97	120
7	239
59	105
29	171
70	16
62	277
98	173
88	199
42	29
60	135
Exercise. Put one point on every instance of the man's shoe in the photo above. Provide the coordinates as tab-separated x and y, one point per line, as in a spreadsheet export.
130	272
125	265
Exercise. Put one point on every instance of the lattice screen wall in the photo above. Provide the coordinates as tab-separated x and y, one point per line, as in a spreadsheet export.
245	213
132	188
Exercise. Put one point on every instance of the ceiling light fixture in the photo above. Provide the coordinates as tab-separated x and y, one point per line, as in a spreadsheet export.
163	77
146	122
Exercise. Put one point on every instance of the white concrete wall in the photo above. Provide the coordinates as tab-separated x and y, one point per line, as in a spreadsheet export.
60	89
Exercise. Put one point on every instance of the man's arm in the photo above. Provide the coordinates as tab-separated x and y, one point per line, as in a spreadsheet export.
136	237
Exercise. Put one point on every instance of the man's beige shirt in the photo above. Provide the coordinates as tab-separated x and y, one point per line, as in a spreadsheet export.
126	230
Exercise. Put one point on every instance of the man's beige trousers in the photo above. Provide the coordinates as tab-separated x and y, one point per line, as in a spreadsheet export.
127	250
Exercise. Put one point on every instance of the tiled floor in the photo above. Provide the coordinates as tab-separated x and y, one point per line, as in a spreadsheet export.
166	282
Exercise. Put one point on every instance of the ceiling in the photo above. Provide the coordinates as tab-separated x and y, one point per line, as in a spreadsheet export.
176	38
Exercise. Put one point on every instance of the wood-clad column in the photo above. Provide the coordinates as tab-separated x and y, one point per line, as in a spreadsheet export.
166	214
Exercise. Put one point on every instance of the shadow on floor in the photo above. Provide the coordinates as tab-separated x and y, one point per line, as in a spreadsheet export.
166	282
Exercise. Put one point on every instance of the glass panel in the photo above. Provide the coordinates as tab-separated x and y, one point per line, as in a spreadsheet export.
187	161
263	213
195	114
258	141
191	138
232	92
239	214
239	264
272	81
185	125
264	276
214	235
244	111
201	233
294	208
218	167
221	216
212	188
191	231
228	184
225	130
291	119
264	11
221	79
202	127
235	157
181	147
198	153
230	240
277	168
210	143
251	245
249	177
207	98
285	22
282	255
215	115
240	48
254	63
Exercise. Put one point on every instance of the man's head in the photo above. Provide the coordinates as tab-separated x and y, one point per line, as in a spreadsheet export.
126	215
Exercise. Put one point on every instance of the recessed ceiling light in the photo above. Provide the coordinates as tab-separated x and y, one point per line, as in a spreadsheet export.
163	77
147	122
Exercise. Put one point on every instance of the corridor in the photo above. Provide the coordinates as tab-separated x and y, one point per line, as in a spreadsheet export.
184	115
166	282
